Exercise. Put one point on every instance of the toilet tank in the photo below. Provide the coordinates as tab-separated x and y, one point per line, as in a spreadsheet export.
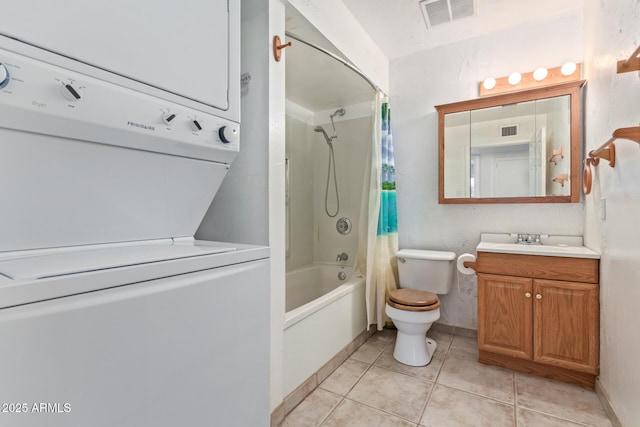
426	270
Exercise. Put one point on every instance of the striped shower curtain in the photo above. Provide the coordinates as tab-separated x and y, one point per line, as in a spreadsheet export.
378	234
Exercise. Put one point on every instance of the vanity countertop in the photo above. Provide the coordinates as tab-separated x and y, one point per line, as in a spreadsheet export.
559	246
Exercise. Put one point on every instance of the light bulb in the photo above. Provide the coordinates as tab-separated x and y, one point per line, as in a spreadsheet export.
514	78
568	68
540	74
489	83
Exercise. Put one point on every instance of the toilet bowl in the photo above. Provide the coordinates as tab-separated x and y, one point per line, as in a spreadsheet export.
414	307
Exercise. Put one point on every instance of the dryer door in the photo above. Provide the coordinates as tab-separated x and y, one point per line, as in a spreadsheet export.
178	47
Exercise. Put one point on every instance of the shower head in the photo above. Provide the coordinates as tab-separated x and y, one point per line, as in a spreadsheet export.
321	129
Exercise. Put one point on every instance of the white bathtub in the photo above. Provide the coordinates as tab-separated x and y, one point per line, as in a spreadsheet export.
324	314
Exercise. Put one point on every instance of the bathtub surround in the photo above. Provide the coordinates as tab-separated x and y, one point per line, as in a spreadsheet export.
312	235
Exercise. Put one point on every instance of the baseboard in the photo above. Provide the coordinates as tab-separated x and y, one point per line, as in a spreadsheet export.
455	330
534	368
606	404
310	384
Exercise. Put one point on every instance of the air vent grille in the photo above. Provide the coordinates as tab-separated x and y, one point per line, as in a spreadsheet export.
438	12
511	130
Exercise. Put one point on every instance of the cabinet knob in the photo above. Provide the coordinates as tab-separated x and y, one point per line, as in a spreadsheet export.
538	296
527	294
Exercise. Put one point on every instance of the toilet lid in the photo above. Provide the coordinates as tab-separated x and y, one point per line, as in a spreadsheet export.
413	300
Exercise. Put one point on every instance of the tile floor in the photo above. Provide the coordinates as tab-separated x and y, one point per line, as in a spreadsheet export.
372	389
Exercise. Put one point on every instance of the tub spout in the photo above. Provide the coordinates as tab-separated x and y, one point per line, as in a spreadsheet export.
342	257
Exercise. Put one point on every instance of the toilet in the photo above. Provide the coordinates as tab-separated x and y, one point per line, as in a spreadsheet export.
414	306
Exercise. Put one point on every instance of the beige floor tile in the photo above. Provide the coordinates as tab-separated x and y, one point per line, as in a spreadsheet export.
354	414
526	418
427	373
392	392
370	350
448	407
345	377
464	346
567	401
463	372
313	410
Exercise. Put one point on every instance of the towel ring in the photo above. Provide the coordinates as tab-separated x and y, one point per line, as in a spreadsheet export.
587	175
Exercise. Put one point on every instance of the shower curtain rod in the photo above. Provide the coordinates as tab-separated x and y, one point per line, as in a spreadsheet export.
337	58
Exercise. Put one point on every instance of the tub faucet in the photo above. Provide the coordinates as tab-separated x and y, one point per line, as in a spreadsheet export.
342	257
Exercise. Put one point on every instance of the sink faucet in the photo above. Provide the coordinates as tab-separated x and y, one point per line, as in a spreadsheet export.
342	257
529	239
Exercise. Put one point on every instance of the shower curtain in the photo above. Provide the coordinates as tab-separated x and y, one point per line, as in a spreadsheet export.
378	232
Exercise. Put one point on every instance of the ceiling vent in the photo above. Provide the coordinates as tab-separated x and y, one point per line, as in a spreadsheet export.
511	130
438	12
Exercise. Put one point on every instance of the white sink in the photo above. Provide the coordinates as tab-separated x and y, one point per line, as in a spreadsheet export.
560	246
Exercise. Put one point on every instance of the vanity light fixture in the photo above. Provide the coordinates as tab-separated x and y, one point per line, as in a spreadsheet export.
489	83
515	82
540	74
514	78
568	68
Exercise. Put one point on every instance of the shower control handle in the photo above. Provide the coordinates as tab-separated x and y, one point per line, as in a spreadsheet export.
342	256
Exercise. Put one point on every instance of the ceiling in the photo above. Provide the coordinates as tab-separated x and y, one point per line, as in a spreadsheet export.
317	82
398	27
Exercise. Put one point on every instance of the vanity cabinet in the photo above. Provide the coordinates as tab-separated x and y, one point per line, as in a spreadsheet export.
539	314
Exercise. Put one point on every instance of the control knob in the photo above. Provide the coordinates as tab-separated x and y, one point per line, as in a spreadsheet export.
228	134
195	125
70	92
4	76
167	118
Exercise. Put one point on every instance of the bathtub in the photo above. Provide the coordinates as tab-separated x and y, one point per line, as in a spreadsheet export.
324	314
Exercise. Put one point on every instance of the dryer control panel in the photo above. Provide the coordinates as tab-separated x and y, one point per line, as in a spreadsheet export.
42	98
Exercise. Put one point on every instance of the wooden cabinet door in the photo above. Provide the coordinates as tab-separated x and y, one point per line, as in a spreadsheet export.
505	315
566	325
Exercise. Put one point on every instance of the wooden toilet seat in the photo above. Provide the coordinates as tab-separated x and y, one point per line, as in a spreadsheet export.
413	300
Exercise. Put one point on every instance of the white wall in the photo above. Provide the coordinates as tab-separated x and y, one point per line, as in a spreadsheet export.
612	32
451	73
239	211
249	208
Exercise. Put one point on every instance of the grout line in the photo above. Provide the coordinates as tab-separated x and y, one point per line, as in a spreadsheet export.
426	402
326	417
383	411
577	423
493	399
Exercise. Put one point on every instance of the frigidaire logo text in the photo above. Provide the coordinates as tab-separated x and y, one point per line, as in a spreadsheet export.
141	126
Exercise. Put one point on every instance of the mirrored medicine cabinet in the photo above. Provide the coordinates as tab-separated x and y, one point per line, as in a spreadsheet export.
519	147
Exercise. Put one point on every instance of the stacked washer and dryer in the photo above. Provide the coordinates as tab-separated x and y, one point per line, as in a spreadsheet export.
118	123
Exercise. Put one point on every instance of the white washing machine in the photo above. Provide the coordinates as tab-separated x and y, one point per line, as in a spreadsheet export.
111	313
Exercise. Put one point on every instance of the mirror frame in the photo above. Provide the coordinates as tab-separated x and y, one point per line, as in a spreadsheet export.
573	89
